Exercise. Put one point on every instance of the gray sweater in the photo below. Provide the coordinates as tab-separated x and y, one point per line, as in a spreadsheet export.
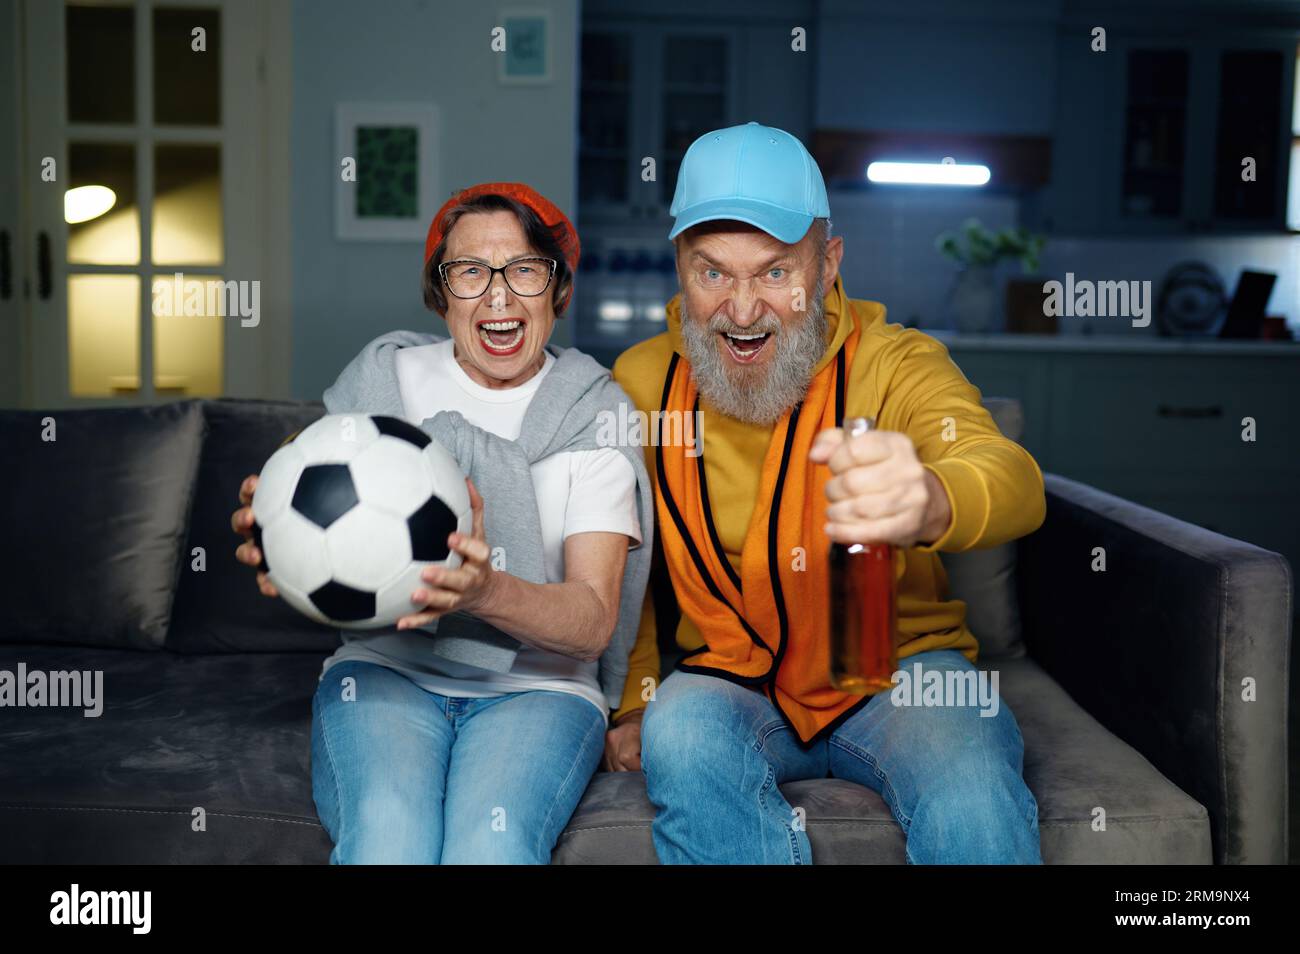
564	415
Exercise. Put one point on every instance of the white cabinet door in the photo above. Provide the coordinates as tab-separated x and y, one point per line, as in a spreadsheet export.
12	242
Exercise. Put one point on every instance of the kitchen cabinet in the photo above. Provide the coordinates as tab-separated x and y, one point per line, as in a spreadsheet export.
648	90
1160	422
652	80
1152	134
651	83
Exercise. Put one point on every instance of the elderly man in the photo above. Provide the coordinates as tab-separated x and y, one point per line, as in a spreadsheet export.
766	344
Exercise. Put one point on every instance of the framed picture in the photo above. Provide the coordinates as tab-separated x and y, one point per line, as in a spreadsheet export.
527	57
389	190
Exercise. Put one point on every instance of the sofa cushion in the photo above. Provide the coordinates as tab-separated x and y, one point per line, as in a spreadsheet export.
99	500
986	579
219	609
1073	765
231	734
227	733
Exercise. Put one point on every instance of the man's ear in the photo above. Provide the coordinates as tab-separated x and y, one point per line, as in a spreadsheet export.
831	264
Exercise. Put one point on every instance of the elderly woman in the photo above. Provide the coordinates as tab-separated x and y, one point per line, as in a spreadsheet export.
469	732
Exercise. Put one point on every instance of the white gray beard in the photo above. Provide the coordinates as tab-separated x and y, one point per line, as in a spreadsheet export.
756	396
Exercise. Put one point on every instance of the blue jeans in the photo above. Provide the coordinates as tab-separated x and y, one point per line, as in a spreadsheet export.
401	775
714	752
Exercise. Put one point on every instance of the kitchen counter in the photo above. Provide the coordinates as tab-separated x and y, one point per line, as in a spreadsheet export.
1113	344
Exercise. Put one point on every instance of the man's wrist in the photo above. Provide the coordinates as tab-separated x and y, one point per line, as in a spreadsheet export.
938	516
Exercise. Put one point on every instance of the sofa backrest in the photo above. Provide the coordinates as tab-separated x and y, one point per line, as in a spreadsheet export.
135	503
986	579
218	606
96	503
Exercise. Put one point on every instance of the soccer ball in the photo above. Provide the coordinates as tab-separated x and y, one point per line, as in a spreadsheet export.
350	510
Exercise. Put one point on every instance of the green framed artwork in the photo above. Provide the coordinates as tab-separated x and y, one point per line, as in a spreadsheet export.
387	170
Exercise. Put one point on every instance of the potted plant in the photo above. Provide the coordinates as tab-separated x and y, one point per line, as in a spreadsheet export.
973	301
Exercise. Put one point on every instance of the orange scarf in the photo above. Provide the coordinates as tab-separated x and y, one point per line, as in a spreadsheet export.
768	626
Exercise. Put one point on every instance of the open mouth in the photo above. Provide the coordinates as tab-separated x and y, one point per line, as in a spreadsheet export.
501	337
746	347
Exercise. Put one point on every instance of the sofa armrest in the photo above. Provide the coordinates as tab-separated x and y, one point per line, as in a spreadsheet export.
1159	647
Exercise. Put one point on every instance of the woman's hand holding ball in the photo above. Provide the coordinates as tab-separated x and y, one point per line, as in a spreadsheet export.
241	521
466	588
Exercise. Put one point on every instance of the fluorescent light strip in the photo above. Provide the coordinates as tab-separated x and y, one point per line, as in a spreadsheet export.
928	173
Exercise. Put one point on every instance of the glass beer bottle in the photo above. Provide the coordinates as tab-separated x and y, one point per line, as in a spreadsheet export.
863	607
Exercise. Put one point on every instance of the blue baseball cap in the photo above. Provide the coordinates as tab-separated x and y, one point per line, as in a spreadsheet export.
754	174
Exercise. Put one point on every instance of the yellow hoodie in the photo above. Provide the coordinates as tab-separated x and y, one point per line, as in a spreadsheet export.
905	380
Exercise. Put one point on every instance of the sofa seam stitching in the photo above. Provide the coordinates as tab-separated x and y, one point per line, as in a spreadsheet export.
873	823
152	811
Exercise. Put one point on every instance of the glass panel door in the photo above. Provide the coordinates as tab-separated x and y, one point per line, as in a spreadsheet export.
695	91
142	114
131	115
604	121
1155	133
1250	107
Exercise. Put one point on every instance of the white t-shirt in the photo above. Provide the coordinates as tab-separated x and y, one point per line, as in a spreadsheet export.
577	492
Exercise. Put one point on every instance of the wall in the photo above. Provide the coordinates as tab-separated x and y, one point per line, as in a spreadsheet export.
889	253
889	256
1141	259
345	293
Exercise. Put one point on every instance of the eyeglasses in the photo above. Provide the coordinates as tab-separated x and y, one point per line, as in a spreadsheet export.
528	277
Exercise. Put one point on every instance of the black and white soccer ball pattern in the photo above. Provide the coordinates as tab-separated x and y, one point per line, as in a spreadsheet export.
349	512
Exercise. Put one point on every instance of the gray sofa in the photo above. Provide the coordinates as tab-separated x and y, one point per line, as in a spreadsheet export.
1128	684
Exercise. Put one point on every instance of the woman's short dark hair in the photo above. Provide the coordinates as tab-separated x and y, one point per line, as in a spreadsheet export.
543	238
